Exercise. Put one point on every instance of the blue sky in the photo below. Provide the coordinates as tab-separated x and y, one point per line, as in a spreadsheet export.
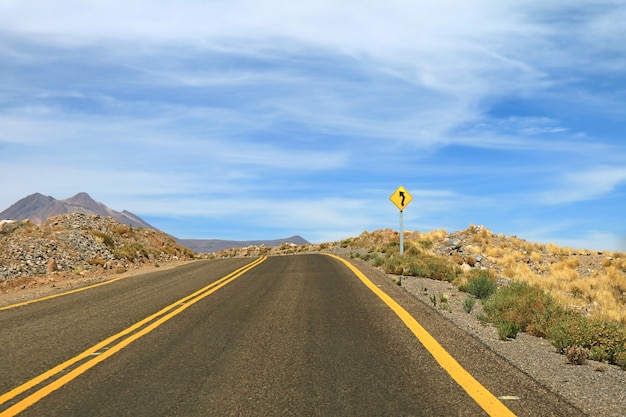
264	119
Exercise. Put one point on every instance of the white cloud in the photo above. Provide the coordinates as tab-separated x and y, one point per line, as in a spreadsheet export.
587	184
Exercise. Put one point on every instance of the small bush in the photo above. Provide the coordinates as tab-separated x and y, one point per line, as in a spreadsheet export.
480	284
433	299
122	230
412	250
97	261
620	359
130	252
507	330
468	304
605	340
104	238
377	261
530	308
426	244
423	265
576	355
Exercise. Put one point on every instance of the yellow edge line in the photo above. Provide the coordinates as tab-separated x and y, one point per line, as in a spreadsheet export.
36	300
485	399
49	297
44	391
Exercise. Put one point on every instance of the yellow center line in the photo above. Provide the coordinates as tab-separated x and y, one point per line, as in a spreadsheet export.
481	395
176	307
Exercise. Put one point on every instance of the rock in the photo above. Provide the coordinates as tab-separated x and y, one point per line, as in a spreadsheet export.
455	243
8	226
51	266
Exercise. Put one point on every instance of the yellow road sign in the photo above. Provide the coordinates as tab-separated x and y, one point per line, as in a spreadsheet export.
401	198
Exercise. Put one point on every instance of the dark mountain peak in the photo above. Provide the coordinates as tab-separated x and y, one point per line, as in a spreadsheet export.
36	199
80	198
84	201
38	208
27	207
298	240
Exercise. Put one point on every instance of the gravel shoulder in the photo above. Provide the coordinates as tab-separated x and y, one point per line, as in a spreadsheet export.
596	388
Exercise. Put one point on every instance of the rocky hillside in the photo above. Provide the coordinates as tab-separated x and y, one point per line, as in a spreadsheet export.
81	244
591	281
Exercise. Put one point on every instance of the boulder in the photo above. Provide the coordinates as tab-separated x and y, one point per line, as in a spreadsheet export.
8	226
51	266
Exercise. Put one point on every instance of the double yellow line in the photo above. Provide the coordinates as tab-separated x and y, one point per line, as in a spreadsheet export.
79	364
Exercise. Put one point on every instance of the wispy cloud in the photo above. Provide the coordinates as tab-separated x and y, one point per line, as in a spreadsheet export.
585	185
315	112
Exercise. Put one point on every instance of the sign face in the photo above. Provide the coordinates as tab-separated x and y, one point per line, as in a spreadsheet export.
401	198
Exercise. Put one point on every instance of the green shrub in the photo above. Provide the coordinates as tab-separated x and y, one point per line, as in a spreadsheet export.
423	265
480	285
620	359
433	299
411	250
393	266
104	238
468	304
391	248
130	252
605	340
507	330
426	244
377	261
530	308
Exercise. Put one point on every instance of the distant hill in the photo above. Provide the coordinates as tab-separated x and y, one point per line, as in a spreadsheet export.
37	208
214	245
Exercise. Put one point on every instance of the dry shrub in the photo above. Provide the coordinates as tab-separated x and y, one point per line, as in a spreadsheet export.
561	271
475	250
494	251
434	235
576	355
535	256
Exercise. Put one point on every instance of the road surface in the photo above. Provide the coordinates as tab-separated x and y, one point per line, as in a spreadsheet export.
299	335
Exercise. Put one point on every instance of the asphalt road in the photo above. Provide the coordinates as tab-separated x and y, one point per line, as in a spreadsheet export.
292	336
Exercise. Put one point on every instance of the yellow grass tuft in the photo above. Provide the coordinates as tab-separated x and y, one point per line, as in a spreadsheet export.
434	235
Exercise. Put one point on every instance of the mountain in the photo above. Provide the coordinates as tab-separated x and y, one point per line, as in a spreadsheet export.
214	245
37	208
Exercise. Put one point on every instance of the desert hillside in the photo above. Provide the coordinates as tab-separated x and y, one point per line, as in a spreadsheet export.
590	281
77	244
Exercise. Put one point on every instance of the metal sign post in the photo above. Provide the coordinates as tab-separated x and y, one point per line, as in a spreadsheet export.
401	232
401	198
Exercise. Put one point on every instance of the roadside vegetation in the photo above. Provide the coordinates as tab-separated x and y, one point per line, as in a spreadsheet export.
576	299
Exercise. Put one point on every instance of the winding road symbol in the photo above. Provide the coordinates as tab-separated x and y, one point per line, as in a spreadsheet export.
401	198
